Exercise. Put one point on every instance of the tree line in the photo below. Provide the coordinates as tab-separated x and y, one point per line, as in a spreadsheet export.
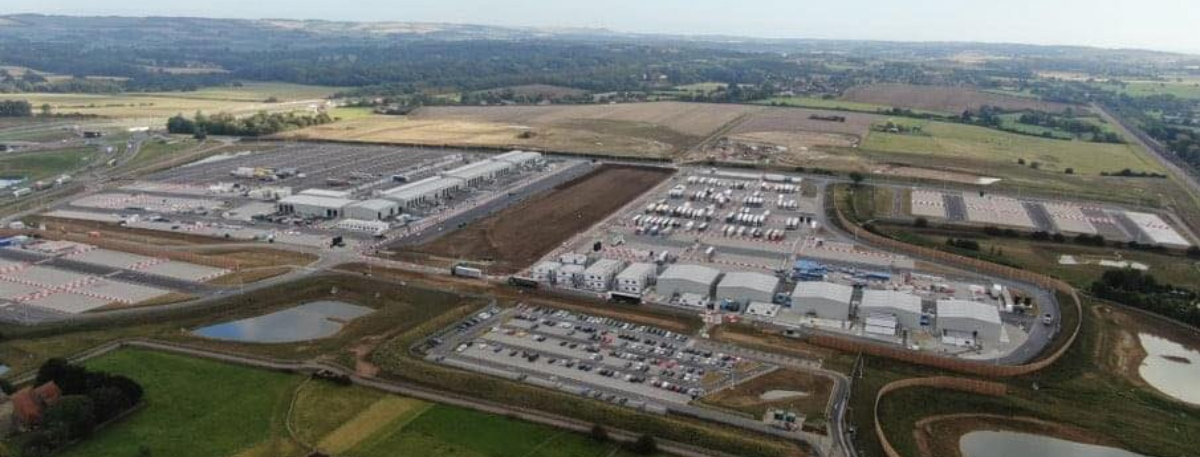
261	123
15	108
1143	291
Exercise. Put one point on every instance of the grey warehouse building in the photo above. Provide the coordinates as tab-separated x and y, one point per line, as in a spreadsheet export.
687	279
747	287
966	322
825	300
906	308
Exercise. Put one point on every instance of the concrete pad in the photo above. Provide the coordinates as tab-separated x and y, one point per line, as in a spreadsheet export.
69	303
84	216
109	258
122	291
46	276
11	290
186	271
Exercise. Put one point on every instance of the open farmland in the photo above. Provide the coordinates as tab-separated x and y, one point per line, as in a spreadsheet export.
655	130
956	141
248	98
519	235
943	99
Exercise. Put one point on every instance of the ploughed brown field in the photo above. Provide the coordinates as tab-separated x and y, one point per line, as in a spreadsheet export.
516	237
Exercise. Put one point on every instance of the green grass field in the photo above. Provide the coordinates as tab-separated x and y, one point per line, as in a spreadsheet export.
958	141
833	104
202	408
156	150
1189	88
48	164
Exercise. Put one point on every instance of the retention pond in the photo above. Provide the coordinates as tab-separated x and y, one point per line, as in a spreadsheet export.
309	321
1170	367
1008	444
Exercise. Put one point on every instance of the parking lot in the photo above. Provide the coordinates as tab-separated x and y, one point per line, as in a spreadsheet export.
630	362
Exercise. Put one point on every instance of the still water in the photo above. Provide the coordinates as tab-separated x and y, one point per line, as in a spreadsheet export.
304	322
1171	368
1009	444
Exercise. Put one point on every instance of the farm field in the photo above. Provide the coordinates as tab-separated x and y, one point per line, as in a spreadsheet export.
245	412
834	104
536	90
1188	88
654	130
970	142
942	99
519	235
248	98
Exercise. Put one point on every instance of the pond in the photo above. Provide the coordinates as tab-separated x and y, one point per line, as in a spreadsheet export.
309	321
1007	444
1171	368
3	369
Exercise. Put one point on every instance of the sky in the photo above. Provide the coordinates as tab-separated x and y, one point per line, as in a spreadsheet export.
1169	25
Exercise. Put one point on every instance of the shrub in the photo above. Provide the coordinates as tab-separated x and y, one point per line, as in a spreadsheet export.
645	445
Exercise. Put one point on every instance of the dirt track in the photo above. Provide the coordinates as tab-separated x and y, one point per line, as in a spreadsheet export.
518	236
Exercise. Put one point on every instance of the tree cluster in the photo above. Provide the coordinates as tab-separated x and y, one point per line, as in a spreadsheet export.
89	398
1143	291
259	124
15	108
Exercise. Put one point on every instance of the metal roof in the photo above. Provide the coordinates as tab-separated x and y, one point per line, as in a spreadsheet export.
313	200
754	281
376	204
517	157
825	290
966	309
637	271
477	169
694	273
890	299
331	193
603	267
420	188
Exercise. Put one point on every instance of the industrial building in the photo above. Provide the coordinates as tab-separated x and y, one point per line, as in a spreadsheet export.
904	308
330	193
373	227
479	172
373	210
569	275
763	310
519	158
635	278
824	300
968	323
314	206
746	287
426	191
1156	231
545	271
687	279
599	276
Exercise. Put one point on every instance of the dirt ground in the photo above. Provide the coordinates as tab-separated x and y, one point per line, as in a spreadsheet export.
927	173
1120	349
939	436
747	397
952	100
514	238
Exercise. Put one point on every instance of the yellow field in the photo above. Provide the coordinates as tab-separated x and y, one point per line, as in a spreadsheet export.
246	99
379	415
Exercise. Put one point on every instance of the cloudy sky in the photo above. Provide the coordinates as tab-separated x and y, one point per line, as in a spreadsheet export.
1152	24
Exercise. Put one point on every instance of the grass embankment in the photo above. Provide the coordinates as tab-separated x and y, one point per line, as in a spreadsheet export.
801	392
247	412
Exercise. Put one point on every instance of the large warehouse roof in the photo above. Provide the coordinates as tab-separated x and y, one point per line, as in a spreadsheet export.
478	169
890	299
637	271
320	202
695	273
518	157
753	281
966	309
331	193
822	289
420	188
375	204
